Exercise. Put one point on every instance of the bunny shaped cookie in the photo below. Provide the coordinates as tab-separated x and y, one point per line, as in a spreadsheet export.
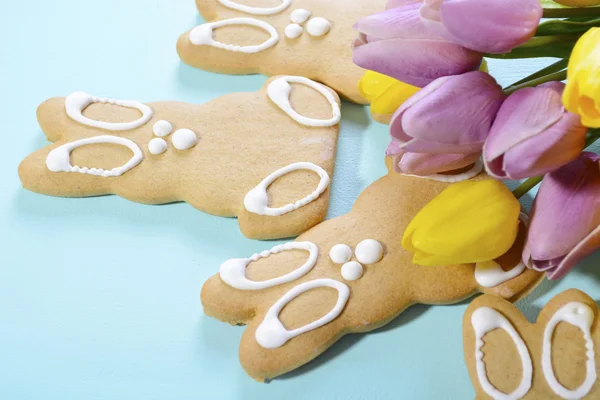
311	38
265	157
510	358
346	275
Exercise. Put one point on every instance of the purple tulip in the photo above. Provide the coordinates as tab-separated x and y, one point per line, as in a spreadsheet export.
490	26
565	219
453	114
425	164
396	43
533	134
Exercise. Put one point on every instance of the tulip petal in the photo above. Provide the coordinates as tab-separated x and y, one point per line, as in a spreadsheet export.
394	23
416	61
431	17
566	209
424	164
588	246
393	148
372	84
392	98
424	146
458	114
491	26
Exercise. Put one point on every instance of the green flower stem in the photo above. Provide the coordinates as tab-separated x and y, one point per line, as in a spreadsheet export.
527	186
558	46
593	136
556	76
571	12
557	66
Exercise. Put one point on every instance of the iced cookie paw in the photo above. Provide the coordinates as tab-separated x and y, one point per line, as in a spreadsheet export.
554	358
265	157
346	275
295	37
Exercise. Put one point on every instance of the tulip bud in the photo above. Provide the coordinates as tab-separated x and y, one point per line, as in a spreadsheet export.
451	115
490	26
565	219
396	43
533	134
469	222
582	94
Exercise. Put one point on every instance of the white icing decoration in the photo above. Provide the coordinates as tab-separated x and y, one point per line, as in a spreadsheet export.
340	253
257	10
203	35
184	139
369	251
465	176
157	146
581	316
271	333
58	160
75	103
318	27
293	31
485	320
300	16
256	201
352	271
490	274
233	272
162	128
279	92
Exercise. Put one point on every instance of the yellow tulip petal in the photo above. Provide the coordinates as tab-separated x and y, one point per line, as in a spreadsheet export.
372	84
468	222
392	98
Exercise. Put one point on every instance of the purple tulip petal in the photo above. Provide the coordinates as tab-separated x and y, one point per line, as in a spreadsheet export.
395	23
423	164
588	246
416	61
566	209
458	114
431	17
491	26
393	148
424	146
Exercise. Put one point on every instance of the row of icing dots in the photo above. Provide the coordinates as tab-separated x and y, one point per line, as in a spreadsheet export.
316	27
182	139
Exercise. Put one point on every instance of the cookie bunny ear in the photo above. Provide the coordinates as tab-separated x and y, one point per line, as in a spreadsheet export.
207	8
53	118
494	337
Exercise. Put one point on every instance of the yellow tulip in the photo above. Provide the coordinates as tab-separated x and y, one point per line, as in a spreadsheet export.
578	3
582	94
387	94
469	222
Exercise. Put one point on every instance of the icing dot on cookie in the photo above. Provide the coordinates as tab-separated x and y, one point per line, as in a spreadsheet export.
352	271
293	31
157	146
300	16
340	253
184	139
318	26
162	128
369	251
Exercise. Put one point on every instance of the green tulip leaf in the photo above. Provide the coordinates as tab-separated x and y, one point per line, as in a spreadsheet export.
545	46
563	27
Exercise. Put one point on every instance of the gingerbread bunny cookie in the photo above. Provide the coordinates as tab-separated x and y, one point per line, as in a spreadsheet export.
346	275
265	157
555	358
311	38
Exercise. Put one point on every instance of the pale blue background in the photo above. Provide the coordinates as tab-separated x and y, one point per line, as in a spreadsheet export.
99	297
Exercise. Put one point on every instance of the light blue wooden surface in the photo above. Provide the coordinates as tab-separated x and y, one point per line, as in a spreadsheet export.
99	297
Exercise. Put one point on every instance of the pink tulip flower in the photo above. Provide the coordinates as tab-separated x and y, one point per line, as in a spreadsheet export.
453	114
489	26
425	164
565	219
533	134
396	43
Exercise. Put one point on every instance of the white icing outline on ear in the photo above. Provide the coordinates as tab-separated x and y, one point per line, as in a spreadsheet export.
76	102
203	35
279	92
257	10
580	316
490	274
58	160
271	333
256	201
233	272
485	320
465	176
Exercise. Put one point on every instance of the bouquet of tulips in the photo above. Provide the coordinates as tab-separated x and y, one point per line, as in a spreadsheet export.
427	77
